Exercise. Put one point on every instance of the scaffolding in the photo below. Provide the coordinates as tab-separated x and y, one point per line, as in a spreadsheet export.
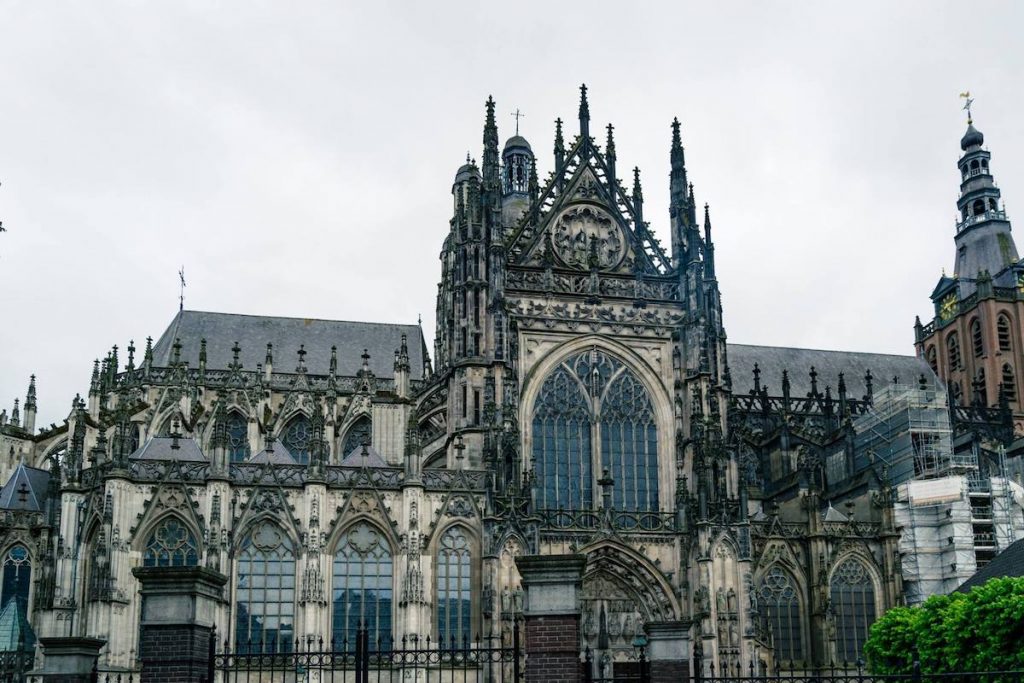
907	428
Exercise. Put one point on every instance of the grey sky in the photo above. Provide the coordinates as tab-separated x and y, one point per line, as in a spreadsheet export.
297	157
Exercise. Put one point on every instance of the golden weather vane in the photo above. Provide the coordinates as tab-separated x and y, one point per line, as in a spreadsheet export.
968	101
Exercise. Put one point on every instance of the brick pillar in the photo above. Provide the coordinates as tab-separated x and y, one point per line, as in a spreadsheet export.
68	659
668	650
552	616
178	607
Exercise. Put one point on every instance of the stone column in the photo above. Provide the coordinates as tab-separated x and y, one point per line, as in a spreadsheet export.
668	651
552	616
68	659
178	608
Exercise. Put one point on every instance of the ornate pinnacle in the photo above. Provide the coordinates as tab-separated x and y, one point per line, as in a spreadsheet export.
269	360
131	355
609	150
334	361
235	350
94	383
176	358
302	359
202	352
16	415
147	356
559	152
30	398
638	198
584	116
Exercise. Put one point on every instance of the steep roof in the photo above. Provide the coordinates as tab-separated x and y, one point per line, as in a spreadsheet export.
164	448
31	497
1009	562
772	360
15	631
254	332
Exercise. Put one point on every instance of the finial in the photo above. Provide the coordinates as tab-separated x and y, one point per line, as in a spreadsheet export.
584	116
366	360
269	360
177	350
610	147
147	356
968	101
181	290
518	115
677	139
131	354
302	358
235	351
202	350
334	360
637	191
559	151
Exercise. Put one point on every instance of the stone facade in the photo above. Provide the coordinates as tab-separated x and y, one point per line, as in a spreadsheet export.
581	401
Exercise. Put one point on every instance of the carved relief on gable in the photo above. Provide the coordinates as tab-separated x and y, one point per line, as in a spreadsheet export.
583	234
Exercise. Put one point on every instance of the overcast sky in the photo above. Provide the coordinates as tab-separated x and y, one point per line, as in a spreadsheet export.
297	157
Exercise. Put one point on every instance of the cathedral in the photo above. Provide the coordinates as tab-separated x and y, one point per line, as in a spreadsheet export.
758	504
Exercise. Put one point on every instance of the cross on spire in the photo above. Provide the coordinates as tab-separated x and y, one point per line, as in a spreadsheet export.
968	101
181	289
518	115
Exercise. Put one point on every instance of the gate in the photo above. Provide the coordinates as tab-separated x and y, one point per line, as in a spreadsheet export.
363	661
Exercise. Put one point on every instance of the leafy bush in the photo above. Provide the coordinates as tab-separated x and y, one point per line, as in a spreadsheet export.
982	630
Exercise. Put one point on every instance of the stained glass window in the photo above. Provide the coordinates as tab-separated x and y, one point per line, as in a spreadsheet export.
171	544
17	577
363	586
593	413
238	436
853	606
781	606
296	438
358	433
265	591
453	587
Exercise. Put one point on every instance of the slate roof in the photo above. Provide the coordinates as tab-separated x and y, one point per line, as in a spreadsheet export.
36	482
254	332
278	456
15	631
355	458
162	448
1009	562
772	360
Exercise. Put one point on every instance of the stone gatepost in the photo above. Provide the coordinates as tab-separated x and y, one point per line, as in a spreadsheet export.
70	659
178	608
668	651
552	616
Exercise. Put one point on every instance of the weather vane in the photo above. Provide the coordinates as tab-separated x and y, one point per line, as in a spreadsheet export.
181	290
968	101
518	116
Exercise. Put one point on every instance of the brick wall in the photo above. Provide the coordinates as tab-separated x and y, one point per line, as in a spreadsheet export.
174	654
553	649
670	671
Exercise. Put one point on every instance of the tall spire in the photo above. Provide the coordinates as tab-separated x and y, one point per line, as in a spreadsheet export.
584	116
677	188
559	152
709	247
638	197
490	169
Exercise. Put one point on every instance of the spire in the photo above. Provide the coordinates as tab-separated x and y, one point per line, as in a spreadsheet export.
16	414
609	155
709	247
559	152
491	162
94	383
30	397
147	356
677	184
638	197
584	116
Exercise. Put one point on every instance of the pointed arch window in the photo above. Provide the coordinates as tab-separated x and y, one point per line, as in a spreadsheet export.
1003	332
593	413
454	570
297	438
172	544
780	602
933	360
977	341
237	431
953	351
980	387
265	591
1009	383
359	433
853	607
363	589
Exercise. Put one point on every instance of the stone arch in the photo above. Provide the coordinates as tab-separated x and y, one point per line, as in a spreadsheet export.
362	506
141	540
661	400
657	598
767	575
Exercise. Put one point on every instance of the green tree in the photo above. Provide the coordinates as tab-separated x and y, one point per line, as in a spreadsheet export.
982	630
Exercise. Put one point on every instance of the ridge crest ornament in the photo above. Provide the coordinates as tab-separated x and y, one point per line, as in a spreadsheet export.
579	226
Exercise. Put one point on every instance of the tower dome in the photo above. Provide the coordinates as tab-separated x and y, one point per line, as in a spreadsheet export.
467	171
971	138
517	159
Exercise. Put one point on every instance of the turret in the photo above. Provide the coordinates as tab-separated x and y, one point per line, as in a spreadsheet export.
30	406
402	369
519	179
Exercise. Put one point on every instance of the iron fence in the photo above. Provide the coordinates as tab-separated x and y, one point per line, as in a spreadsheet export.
485	660
14	664
596	671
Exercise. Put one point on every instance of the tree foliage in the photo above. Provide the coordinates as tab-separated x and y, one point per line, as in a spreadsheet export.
982	630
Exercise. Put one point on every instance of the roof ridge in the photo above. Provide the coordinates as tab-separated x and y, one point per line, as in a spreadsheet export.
294	317
817	350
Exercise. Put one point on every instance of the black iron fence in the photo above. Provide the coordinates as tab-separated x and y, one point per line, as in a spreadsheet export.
485	660
14	664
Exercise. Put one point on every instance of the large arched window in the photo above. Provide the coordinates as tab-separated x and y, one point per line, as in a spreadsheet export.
593	413
780	602
453	587
265	591
17	578
171	544
237	432
853	606
953	351
358	434
296	438
363	586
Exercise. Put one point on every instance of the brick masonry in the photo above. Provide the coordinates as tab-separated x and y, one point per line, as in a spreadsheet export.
553	649
671	671
174	653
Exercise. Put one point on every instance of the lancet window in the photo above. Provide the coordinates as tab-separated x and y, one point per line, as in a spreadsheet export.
780	603
17	578
297	438
238	437
977	340
265	591
171	544
853	607
1003	332
358	434
594	414
953	351
363	586
453	587
1009	384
